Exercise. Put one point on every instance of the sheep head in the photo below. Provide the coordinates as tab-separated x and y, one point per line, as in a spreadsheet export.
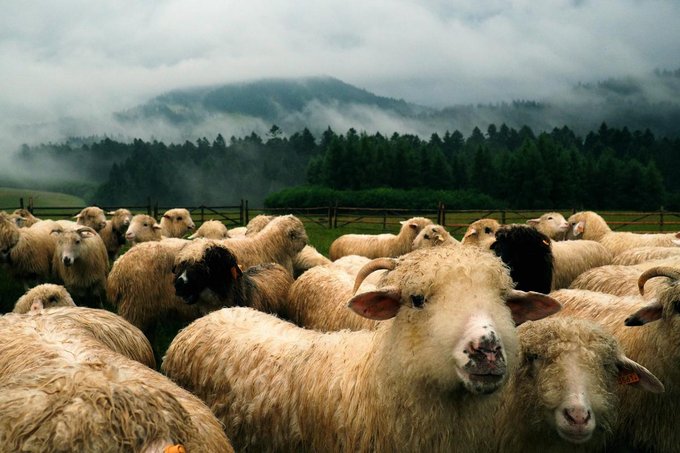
214	269
667	303
458	301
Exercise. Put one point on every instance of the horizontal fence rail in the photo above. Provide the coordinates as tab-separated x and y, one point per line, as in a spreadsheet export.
354	218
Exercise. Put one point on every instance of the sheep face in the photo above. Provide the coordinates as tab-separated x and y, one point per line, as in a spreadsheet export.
431	236
9	236
552	224
120	219
70	244
92	217
481	233
176	222
143	228
454	315
216	270
42	297
586	225
568	373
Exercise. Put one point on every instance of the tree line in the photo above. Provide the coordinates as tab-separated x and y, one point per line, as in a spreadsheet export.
611	168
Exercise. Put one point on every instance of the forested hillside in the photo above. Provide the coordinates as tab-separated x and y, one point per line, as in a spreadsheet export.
607	169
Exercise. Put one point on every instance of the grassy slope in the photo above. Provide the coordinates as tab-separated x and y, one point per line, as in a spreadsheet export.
9	198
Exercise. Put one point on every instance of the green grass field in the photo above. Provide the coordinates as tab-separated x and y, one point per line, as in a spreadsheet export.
9	198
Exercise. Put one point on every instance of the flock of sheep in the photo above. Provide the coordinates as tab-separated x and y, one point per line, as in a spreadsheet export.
559	335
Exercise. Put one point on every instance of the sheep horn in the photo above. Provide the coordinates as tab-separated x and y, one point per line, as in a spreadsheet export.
370	267
660	271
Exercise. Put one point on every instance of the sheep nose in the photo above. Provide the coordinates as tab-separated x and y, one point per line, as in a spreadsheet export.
577	415
486	348
67	261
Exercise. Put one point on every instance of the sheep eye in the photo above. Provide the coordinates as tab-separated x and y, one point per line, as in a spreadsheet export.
426	236
550	218
676	306
179	219
146	224
531	357
78	241
487	230
417	301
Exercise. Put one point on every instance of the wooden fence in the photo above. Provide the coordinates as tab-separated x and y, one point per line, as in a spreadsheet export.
333	217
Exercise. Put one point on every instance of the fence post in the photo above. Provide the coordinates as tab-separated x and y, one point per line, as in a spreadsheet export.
330	216
202	214
661	219
30	205
247	213
335	215
21	202
384	220
502	217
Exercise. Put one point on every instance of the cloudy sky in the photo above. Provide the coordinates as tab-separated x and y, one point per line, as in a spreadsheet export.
85	58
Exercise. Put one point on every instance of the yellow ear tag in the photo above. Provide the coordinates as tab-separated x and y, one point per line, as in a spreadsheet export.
630	377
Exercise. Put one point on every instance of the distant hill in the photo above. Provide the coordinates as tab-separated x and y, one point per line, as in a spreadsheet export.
319	102
269	99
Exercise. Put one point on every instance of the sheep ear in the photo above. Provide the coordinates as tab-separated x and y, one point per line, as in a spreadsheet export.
236	271
165	216
632	373
56	231
533	222
579	227
77	216
156	226
377	305
111	213
413	226
193	236
470	232
87	233
649	313
530	306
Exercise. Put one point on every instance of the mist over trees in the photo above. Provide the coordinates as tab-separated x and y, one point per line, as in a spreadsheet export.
610	168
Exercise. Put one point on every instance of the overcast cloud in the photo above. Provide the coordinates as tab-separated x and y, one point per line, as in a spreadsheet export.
85	59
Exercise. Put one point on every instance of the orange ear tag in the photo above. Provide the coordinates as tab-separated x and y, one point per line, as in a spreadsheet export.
175	449
630	377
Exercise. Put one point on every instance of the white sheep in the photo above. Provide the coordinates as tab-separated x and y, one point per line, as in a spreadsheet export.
379	245
45	296
433	236
211	229
572	258
60	392
618	279
318	298
590	225
552	224
24	218
278	242
639	255
81	262
481	233
143	228
28	251
93	217
647	331
562	396
308	257
176	222
113	233
106	327
420	382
